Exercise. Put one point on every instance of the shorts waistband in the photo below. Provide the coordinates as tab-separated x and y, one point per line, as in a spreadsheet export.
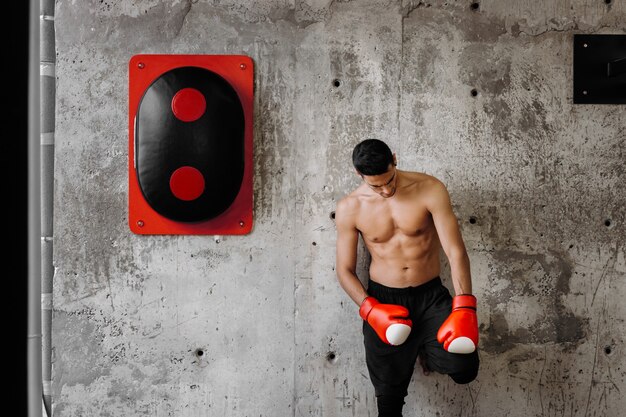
382	289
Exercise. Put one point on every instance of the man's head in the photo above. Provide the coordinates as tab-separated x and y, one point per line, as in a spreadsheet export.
375	163
372	157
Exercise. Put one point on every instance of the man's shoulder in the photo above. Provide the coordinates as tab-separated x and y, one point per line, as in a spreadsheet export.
350	201
425	181
347	210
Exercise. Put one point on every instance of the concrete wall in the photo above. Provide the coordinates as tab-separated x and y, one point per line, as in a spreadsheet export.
540	178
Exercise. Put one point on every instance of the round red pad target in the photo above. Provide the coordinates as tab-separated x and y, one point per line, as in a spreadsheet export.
187	183
188	105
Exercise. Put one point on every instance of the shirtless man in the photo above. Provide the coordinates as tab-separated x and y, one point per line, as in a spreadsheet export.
405	218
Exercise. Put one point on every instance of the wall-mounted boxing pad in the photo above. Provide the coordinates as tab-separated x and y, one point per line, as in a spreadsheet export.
191	145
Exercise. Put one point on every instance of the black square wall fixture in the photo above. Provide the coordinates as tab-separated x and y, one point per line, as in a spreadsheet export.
600	69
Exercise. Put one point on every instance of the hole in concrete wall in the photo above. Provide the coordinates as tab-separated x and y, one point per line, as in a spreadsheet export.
331	357
474	92
202	360
472	220
332	215
314	243
475	6
336	83
608	1
608	350
608	222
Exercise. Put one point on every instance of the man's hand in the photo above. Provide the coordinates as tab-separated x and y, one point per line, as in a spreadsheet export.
459	333
390	321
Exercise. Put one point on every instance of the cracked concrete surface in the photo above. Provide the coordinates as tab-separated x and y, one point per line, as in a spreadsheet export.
536	182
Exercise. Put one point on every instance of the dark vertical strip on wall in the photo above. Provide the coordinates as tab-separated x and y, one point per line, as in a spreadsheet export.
15	200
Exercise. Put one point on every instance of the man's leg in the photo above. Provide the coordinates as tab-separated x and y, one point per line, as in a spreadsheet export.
462	368
390	405
390	369
465	376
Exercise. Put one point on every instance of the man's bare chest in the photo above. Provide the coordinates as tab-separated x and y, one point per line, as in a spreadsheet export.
382	222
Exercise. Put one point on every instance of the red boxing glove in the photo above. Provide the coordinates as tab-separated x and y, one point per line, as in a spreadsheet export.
390	321
459	333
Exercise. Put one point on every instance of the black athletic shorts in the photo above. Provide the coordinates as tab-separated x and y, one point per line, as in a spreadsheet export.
391	367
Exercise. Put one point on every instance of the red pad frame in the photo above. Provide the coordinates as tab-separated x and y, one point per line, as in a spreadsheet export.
238	71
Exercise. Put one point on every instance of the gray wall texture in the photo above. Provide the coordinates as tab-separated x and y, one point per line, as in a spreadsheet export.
257	325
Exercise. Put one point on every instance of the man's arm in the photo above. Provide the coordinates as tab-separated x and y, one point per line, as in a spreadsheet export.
347	241
390	322
449	234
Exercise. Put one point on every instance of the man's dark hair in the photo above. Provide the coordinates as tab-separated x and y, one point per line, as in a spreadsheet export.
372	157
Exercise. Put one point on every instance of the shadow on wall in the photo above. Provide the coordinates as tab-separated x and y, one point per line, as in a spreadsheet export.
525	297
